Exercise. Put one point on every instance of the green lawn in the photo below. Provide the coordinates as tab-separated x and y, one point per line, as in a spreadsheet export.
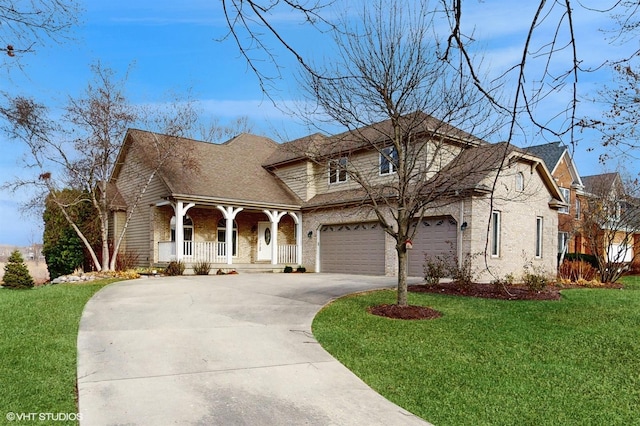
571	362
38	334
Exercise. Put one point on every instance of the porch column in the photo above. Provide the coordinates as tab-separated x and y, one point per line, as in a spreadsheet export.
297	218
274	217
180	210
229	213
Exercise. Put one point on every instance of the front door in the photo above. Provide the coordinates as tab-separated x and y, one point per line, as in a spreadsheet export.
264	241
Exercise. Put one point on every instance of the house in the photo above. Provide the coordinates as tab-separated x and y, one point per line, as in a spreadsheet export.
558	160
615	240
254	203
618	219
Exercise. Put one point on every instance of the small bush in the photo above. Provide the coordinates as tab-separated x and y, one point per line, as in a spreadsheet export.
535	282
288	269
589	258
301	269
435	268
126	261
16	273
577	270
174	268
202	268
463	274
502	284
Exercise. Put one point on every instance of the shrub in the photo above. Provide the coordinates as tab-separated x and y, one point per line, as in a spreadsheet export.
502	284
577	270
202	268
288	269
16	274
589	258
435	268
301	269
174	268
126	261
463	274
535	282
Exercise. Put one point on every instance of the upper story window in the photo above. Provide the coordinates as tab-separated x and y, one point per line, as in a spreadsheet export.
519	182
578	207
566	194
388	160
338	170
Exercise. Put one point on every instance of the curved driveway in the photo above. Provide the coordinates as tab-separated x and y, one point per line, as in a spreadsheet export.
221	350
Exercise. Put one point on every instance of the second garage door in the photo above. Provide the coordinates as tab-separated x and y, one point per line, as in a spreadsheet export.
352	248
435	236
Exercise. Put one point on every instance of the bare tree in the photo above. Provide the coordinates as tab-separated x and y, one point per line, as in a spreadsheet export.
81	151
620	124
389	71
215	132
24	24
611	223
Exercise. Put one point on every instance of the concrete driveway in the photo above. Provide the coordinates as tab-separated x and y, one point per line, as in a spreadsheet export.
221	350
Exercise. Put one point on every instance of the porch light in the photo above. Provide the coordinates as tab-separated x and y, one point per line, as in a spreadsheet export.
309	234
463	226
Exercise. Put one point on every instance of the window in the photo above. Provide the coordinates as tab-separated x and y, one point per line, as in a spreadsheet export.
539	234
566	194
338	170
563	241
519	182
222	236
578	208
495	233
388	160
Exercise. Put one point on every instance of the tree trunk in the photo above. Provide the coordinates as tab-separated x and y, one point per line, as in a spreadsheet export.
401	248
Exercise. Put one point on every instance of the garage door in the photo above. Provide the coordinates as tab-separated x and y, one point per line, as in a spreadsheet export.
352	248
435	236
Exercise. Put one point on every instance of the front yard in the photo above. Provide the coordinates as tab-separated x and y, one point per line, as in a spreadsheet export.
574	361
38	351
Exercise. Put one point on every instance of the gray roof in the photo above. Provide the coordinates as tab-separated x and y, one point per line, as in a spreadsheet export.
550	153
377	134
231	171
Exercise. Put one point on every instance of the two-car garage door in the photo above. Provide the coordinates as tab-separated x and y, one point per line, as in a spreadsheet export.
360	248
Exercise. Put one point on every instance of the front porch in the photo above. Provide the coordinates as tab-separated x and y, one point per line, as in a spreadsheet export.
215	253
226	237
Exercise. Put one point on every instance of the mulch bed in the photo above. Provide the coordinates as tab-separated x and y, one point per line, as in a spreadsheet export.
488	291
410	312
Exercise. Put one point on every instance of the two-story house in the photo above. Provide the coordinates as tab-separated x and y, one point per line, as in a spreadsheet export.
252	202
558	160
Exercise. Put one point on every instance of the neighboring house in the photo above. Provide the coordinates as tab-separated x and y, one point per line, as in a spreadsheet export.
251	202
619	235
559	162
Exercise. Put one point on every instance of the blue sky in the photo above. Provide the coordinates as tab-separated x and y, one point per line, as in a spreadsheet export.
170	46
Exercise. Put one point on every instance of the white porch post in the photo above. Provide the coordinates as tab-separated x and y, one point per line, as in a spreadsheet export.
297	218
274	217
229	213
180	211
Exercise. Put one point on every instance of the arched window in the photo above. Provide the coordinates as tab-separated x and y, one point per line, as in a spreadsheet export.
222	235
187	225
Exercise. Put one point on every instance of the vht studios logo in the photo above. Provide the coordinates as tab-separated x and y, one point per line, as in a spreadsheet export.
43	417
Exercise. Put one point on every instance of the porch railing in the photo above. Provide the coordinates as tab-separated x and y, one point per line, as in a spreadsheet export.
215	252
287	254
